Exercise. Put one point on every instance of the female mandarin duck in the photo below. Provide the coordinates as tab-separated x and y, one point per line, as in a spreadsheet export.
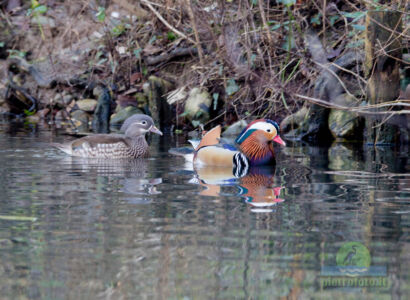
131	144
255	148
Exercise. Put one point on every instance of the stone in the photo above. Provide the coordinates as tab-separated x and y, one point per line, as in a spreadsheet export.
42	114
197	105
119	117
87	105
67	99
235	128
344	124
296	123
80	117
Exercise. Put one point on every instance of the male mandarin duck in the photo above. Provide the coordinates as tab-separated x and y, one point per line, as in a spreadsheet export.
255	148
131	144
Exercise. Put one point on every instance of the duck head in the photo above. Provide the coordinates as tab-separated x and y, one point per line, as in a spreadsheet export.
138	125
256	140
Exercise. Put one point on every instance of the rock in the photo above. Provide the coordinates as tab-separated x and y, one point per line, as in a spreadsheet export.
67	99
61	115
235	128
80	119
343	158
293	125
197	105
42	114
87	105
344	124
119	117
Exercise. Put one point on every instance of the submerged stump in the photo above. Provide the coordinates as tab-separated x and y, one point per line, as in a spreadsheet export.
383	55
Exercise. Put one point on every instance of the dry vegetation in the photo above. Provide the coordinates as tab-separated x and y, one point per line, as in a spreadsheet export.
251	56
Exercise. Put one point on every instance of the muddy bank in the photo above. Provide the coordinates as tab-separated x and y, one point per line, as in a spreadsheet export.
91	65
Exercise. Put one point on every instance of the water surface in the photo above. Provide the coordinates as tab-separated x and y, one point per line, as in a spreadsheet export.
156	229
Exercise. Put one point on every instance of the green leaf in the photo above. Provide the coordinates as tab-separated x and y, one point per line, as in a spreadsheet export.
275	27
41	9
215	96
354	15
153	39
333	20
231	87
359	27
195	123
287	2
355	44
17	218
317	19
29	113
289	46
137	53
101	14
171	36
118	30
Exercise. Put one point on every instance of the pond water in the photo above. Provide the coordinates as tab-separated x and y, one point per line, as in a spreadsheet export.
156	229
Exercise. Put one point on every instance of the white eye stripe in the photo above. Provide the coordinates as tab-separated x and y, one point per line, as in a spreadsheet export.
263	126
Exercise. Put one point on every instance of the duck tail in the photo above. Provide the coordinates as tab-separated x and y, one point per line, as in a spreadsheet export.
62	147
211	138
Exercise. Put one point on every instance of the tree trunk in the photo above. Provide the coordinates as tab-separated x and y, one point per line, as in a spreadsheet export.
383	55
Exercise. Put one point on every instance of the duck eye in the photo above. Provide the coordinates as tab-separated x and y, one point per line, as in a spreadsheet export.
268	130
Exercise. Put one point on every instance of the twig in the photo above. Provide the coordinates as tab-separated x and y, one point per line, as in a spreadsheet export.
148	4
197	41
265	23
361	109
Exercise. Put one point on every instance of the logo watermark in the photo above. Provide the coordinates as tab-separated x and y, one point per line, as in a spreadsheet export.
353	269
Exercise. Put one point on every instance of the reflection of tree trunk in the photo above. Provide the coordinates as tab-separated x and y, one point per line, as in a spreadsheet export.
163	268
247	253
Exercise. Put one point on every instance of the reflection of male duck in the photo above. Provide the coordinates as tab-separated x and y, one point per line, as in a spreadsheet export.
257	187
250	166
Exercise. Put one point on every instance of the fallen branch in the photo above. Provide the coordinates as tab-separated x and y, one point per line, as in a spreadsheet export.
170	55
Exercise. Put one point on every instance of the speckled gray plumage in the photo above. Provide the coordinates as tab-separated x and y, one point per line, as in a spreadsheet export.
132	144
